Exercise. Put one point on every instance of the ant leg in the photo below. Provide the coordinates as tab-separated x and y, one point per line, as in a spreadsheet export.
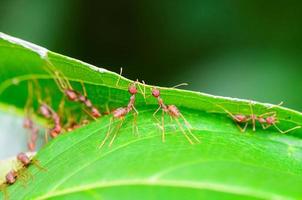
107	134
116	132
139	87
228	112
3	189
61	107
181	84
37	164
38	91
56	76
107	108
62	82
29	100
134	127
163	137
274	106
89	114
186	121
252	116
45	137
84	89
274	113
265	127
284	132
160	122
135	114
189	127
154	114
183	131
144	88
118	80
242	130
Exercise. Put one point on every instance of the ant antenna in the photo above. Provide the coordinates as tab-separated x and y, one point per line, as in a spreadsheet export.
181	84
120	75
274	106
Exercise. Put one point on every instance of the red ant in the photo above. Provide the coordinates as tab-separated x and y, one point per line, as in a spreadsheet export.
48	113
12	176
10	179
121	112
71	94
26	161
266	120
28	122
174	113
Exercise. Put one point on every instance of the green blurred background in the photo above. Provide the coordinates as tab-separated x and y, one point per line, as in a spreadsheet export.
246	49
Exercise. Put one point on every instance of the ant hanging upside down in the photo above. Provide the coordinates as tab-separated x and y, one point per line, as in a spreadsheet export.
175	114
71	94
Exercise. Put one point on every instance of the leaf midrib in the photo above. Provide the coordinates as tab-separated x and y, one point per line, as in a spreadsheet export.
200	185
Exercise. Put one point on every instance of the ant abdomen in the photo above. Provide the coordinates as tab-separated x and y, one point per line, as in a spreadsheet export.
11	177
120	112
24	159
173	110
27	123
71	95
44	110
241	118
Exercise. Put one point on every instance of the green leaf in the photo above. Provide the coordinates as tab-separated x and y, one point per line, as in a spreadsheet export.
226	164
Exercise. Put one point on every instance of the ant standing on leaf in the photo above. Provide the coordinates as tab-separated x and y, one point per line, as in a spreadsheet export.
20	173
71	94
121	112
266	120
175	114
26	161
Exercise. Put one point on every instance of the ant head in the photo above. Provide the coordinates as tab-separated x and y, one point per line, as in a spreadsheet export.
271	120
132	89
155	92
